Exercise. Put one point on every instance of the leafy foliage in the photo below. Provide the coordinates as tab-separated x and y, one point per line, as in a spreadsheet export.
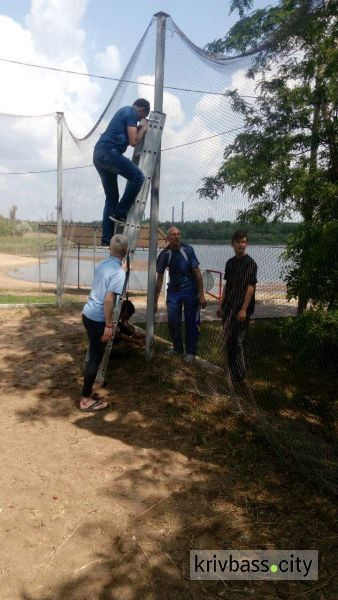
313	338
6	226
221	231
12	227
285	160
312	271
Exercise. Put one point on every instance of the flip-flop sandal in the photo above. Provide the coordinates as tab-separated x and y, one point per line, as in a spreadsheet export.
94	407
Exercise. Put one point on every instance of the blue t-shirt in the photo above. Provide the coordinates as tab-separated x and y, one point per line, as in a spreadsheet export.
109	277
181	263
116	134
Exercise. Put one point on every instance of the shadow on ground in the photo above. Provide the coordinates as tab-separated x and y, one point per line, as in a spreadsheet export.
205	479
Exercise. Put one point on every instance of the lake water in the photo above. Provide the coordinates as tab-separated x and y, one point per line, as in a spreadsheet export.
210	257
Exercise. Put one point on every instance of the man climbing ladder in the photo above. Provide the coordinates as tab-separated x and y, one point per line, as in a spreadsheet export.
146	155
122	131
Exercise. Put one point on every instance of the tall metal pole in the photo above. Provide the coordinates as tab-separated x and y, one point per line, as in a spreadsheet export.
155	186
78	266
39	260
173	214
94	252
59	257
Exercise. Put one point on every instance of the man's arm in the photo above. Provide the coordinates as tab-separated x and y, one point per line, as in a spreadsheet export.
219	308
129	327
248	295
136	134
159	283
199	282
250	290
108	305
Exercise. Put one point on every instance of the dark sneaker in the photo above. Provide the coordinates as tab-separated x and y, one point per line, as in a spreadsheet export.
173	352
105	242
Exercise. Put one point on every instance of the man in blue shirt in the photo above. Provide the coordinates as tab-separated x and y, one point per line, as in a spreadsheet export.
185	290
122	131
97	316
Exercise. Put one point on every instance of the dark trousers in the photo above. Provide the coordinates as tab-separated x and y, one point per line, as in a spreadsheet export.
109	163
189	302
95	330
236	337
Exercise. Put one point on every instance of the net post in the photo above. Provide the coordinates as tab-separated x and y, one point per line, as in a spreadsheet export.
39	230
78	266
155	187
94	251
59	251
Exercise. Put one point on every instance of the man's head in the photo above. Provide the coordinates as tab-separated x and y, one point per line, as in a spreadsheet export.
127	310
239	242
119	246
174	238
142	108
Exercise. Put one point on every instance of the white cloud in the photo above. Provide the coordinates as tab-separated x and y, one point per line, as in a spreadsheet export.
183	168
171	103
53	35
108	62
55	27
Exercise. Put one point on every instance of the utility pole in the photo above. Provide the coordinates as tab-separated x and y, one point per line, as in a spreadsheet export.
59	251
173	214
155	186
182	216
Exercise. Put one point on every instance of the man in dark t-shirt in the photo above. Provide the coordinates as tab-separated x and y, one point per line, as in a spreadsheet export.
185	290
122	131
238	304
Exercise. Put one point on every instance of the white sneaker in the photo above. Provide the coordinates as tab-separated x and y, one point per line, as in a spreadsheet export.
189	358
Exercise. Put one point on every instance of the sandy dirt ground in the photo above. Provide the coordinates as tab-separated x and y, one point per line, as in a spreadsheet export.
107	506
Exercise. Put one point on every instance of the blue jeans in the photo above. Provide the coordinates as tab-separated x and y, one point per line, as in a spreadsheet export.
109	163
188	300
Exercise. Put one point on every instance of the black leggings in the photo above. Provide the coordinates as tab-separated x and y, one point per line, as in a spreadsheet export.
95	330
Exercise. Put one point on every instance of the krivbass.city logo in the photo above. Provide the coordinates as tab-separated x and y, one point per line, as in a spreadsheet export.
254	564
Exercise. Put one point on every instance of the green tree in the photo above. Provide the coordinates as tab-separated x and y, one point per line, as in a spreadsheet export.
285	160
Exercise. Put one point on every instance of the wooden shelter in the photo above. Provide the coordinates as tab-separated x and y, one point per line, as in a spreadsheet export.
82	234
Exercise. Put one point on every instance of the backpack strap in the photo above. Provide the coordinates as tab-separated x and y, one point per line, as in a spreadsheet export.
170	253
184	253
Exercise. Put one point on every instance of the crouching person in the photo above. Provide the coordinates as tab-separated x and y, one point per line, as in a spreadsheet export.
97	316
126	336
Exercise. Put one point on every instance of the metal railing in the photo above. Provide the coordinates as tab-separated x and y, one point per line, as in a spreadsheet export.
211	287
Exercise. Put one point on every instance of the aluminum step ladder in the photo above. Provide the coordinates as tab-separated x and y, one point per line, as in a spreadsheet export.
145	156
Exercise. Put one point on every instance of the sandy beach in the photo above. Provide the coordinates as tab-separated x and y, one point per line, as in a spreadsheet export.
13	261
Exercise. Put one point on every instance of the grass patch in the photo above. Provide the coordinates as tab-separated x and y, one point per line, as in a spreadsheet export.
28	244
26	299
40	299
277	380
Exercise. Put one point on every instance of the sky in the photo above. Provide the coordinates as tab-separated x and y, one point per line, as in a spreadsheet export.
91	36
